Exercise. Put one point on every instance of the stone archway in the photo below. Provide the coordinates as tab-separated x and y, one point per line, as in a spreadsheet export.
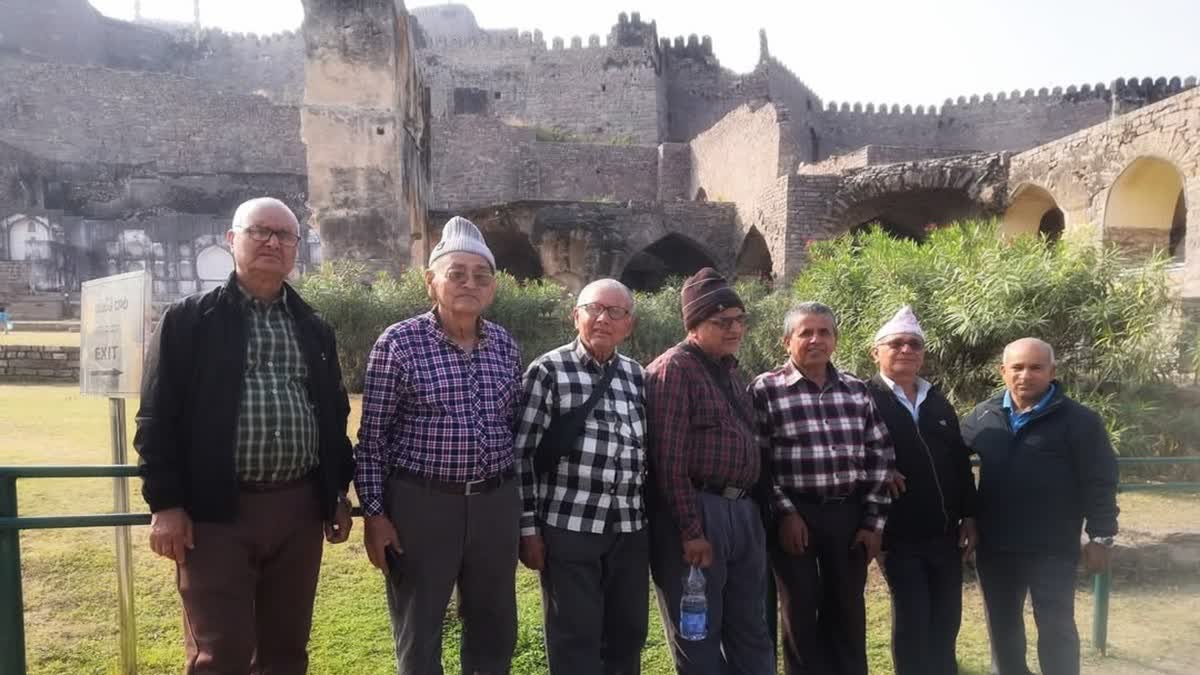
29	238
1143	211
674	255
515	254
1033	211
754	259
907	199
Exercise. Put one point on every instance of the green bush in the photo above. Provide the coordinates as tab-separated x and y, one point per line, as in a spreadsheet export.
1112	324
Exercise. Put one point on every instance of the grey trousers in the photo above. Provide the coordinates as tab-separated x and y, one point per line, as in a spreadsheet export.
451	540
595	598
736	587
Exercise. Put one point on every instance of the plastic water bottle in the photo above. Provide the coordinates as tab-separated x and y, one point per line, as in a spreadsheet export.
693	607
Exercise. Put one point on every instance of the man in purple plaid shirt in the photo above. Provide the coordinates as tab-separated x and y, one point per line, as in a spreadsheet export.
435	468
829	460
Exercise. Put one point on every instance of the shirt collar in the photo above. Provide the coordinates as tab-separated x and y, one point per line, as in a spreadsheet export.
433	324
1041	404
585	357
250	302
792	375
923	386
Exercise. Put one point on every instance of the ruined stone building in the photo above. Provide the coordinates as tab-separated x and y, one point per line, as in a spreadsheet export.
629	154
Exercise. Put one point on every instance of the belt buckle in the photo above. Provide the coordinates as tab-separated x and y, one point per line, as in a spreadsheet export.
471	485
729	492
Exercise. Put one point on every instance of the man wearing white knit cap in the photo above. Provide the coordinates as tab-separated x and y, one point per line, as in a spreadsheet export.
931	525
435	470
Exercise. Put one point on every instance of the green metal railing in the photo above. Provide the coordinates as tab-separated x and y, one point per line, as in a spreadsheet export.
12	623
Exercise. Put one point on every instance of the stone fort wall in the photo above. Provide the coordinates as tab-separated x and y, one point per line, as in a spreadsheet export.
95	114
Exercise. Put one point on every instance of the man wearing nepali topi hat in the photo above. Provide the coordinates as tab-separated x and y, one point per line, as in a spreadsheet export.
931	525
435	467
706	465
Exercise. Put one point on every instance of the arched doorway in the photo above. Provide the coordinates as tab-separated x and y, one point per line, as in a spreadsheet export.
754	260
514	254
1033	211
29	238
671	256
1144	211
213	266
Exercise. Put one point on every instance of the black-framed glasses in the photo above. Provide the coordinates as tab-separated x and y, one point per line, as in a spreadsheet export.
263	234
727	322
900	343
595	309
460	276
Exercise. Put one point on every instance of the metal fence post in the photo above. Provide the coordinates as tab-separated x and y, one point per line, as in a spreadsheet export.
125	616
1101	588
12	607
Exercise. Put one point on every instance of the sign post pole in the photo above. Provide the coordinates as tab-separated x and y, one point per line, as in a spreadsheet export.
124	544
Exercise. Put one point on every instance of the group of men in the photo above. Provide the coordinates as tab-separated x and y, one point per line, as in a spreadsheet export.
602	475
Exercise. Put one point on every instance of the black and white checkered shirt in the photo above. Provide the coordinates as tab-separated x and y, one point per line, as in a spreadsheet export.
597	487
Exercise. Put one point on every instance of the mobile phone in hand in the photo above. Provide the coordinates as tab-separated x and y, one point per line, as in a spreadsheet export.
395	564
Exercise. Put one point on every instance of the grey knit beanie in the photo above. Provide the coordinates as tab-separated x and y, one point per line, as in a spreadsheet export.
460	234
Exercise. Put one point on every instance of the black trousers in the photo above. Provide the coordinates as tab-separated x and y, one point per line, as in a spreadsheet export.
595	599
925	578
1049	580
821	594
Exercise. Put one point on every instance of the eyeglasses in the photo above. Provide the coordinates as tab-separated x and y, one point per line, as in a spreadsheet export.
595	310
459	277
262	234
897	345
727	322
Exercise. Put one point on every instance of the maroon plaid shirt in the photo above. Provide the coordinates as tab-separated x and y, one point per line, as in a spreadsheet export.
695	433
824	441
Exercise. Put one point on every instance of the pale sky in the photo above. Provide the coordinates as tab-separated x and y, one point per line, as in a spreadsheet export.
877	51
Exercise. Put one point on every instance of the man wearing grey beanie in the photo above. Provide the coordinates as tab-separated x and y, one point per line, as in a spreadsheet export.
435	467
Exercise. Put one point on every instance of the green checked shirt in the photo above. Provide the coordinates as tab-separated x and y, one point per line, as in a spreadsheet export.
276	431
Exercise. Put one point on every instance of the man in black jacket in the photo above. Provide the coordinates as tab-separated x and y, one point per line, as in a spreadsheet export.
932	524
244	454
1046	466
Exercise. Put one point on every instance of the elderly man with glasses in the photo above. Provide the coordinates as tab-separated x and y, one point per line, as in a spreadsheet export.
931	525
582	440
829	459
435	471
244	454
706	466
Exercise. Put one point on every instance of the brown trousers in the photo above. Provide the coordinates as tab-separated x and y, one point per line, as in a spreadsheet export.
248	586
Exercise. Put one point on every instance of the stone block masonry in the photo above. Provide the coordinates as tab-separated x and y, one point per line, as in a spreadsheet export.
38	364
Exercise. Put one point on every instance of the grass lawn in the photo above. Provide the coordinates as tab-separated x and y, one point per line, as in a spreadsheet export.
70	585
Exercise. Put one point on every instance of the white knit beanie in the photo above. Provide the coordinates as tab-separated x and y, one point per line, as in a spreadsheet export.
905	322
460	234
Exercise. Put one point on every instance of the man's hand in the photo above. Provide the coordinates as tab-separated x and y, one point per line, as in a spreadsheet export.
171	534
378	534
1096	557
338	530
871	540
968	537
896	485
793	534
533	552
697	552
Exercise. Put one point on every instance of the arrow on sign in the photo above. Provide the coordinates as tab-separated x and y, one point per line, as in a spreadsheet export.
113	372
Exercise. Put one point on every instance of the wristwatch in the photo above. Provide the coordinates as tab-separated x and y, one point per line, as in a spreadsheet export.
1106	542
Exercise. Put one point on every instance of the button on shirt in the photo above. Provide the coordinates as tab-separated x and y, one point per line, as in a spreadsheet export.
913	409
1016	420
597	486
277	435
827	441
434	409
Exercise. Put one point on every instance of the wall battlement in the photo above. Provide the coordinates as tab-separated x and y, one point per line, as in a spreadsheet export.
691	47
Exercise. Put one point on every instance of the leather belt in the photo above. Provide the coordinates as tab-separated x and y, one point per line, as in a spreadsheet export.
467	489
819	500
731	492
273	485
